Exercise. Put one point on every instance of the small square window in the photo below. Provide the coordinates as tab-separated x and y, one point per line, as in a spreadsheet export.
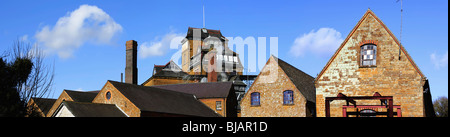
218	105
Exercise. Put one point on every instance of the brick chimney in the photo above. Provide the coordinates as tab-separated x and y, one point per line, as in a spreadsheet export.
131	71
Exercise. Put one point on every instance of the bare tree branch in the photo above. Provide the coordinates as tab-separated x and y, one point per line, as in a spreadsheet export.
40	80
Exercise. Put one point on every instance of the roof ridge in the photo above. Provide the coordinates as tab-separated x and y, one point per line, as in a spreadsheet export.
301	80
145	87
192	83
295	68
369	11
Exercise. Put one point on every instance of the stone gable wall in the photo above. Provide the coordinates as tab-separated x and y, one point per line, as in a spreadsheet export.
271	83
391	76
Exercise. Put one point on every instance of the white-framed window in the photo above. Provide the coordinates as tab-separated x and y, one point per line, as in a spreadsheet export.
230	58
218	105
235	59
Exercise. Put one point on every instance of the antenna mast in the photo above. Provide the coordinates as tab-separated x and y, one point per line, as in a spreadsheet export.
203	15
401	19
401	27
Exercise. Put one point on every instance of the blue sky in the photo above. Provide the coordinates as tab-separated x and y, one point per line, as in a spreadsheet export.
88	55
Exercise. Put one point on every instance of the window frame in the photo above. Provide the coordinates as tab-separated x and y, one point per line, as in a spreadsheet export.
373	61
288	97
108	97
218	105
257	96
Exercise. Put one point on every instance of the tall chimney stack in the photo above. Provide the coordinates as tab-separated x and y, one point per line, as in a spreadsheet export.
131	62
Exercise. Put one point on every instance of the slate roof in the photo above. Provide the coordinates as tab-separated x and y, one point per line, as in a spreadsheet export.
166	71
202	90
81	96
301	80
209	32
85	109
163	101
45	104
169	73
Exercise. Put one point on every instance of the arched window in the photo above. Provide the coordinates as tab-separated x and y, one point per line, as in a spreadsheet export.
255	99
368	55
288	97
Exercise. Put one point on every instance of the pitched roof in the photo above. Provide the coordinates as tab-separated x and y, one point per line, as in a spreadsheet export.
202	90
209	32
369	12
163	101
301	80
84	109
45	104
81	96
171	70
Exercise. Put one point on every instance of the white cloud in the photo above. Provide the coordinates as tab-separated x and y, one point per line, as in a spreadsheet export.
159	47
85	24
438	60
322	42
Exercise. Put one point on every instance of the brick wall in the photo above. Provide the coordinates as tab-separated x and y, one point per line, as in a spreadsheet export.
391	77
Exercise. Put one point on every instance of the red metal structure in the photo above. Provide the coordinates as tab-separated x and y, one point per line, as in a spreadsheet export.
386	100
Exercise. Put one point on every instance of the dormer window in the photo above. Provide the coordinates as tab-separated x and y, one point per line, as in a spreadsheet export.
368	55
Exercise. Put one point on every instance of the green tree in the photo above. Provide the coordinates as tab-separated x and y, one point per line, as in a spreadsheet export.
441	106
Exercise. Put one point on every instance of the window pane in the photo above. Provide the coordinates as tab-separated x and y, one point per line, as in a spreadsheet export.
288	97
368	55
218	105
255	99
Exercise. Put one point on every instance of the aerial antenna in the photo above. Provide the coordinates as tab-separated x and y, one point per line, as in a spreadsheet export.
203	14
401	19
401	27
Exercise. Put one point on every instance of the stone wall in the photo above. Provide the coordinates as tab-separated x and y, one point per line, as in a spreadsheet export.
117	98
211	103
63	97
271	83
393	75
